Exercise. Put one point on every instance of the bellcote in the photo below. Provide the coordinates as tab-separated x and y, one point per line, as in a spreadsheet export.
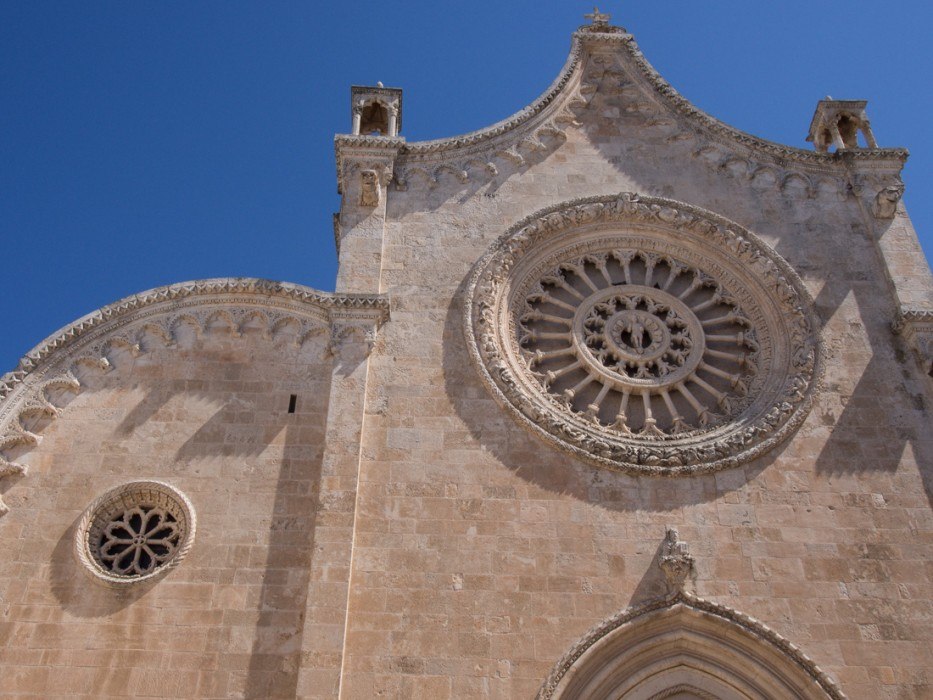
377	111
837	123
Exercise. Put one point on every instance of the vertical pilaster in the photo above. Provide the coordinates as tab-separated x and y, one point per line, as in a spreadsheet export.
879	191
365	170
353	334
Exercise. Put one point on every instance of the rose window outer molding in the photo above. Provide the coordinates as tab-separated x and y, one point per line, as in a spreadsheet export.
135	532
644	335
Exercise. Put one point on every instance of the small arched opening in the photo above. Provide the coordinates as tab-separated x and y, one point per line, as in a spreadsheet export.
374	119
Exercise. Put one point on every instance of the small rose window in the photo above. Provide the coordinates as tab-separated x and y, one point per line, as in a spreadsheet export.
135	532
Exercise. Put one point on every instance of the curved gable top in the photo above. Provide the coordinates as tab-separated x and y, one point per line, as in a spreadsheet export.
237	305
570	90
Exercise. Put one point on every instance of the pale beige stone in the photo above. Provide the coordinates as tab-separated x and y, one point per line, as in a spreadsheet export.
407	531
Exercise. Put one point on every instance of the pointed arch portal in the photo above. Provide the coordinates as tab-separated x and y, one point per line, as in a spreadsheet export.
685	648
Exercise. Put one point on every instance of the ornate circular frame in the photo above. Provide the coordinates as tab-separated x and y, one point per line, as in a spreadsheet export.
159	508
759	405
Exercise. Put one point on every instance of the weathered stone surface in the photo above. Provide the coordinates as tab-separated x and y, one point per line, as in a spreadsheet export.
402	534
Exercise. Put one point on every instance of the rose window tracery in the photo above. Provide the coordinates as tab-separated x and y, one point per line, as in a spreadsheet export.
135	532
645	344
138	541
643	334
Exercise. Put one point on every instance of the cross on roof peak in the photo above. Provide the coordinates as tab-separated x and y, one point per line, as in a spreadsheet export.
597	18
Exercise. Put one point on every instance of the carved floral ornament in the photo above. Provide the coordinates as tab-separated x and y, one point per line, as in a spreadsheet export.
135	532
644	335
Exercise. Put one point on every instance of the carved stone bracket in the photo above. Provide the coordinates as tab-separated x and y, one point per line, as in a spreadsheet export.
885	204
916	326
355	332
369	188
365	153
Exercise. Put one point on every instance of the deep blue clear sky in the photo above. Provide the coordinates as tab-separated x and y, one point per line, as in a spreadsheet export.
149	143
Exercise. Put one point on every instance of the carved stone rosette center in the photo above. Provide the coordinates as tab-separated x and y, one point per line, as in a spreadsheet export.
644	335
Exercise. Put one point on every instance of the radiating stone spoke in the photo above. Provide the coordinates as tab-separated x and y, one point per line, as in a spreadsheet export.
647	335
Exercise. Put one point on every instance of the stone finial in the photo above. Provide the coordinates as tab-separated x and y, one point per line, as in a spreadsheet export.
377	111
836	123
599	23
675	561
597	18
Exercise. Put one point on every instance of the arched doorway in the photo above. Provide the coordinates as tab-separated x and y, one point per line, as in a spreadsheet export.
685	648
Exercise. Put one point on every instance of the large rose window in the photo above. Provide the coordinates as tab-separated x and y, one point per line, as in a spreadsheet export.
643	334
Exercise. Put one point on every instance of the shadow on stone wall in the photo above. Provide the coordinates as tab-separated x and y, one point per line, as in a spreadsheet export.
554	470
78	593
275	616
275	659
875	427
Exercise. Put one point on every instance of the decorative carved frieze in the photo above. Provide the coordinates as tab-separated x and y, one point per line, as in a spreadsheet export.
609	63
643	335
235	307
606	59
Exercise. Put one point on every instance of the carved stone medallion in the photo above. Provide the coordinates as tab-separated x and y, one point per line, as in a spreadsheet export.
643	334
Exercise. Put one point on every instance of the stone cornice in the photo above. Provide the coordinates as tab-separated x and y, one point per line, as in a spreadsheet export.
511	123
683	107
363	147
908	318
373	304
237	306
584	42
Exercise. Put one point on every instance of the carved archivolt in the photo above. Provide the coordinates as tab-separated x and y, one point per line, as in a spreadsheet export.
644	335
682	646
236	307
690	645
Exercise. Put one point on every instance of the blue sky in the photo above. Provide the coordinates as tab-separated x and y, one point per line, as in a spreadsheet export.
148	143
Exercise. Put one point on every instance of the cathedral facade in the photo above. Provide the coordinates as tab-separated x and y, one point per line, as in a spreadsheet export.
612	400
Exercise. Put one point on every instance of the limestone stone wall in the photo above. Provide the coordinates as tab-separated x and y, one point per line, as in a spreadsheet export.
481	553
209	415
401	534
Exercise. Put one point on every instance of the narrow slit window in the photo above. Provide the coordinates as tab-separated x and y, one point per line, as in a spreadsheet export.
292	402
